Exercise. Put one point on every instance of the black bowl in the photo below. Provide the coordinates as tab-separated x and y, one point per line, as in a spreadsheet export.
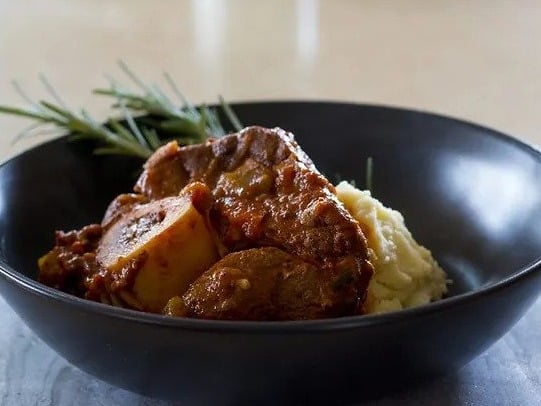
468	193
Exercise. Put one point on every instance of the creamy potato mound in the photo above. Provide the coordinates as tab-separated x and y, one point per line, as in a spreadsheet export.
406	274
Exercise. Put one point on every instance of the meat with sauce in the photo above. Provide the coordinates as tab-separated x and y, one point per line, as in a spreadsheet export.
266	192
288	247
72	260
269	284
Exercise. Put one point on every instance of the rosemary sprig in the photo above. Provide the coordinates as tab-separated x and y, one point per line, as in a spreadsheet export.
194	123
81	126
157	114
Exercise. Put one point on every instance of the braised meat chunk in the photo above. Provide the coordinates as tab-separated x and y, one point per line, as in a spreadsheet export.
269	284
267	193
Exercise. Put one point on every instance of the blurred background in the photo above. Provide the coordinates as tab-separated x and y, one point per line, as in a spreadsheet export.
479	60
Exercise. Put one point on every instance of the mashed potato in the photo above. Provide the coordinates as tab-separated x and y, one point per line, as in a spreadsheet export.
406	274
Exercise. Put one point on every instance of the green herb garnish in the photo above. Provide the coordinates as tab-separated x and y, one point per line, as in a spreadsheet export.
144	114
369	177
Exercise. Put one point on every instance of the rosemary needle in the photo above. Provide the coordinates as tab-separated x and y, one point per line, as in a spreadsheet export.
369	181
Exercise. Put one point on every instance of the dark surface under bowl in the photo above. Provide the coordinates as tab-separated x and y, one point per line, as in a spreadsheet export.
468	193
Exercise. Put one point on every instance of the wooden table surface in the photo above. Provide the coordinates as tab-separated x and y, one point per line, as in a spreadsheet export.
479	61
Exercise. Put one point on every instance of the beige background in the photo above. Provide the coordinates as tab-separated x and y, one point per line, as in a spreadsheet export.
478	60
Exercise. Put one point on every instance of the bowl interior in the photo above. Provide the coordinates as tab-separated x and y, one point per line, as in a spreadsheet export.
467	193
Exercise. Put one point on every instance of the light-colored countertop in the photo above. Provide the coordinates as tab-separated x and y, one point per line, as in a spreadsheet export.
475	60
479	61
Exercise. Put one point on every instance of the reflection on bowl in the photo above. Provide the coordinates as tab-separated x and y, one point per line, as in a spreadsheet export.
467	193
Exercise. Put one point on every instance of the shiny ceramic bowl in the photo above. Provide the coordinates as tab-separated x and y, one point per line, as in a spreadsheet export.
470	194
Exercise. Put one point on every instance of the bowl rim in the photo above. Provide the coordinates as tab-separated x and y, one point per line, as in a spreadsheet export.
296	326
